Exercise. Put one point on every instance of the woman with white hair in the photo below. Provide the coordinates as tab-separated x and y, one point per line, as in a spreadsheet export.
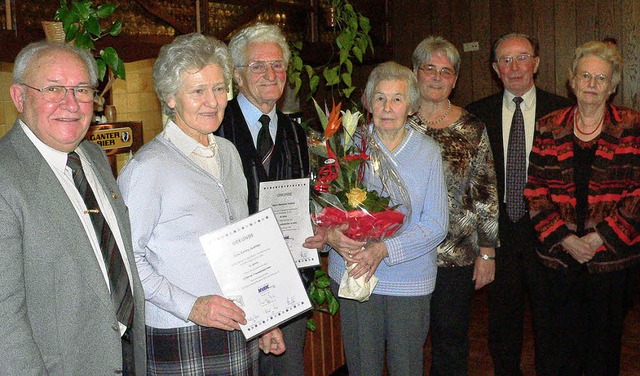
583	192
395	319
185	183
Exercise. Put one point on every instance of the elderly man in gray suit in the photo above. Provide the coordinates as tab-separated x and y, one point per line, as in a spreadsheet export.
71	302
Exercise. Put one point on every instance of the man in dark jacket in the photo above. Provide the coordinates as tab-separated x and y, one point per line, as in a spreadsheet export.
270	145
515	60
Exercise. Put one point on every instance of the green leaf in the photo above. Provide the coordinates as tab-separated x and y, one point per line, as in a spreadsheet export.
313	84
70	32
102	68
341	40
296	61
110	57
310	71
321	114
311	325
297	82
322	296
349	65
344	55
365	25
347	91
93	26
83	40
353	23
346	78
333	304
319	273
323	282
120	73
331	75
357	52
116	28
105	10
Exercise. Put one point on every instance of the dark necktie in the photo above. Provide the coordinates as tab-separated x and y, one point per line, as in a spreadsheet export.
516	165
265	143
121	296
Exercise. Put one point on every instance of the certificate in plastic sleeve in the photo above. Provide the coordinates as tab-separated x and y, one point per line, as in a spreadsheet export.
254	268
289	200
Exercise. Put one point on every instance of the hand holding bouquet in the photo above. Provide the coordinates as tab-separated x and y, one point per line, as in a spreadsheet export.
342	197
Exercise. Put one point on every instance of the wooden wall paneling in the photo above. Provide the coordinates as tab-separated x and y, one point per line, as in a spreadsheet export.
565	38
461	21
441	19
609	15
502	19
630	43
483	80
586	21
544	32
523	16
412	23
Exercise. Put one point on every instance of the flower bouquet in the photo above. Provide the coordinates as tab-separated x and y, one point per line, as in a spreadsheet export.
344	162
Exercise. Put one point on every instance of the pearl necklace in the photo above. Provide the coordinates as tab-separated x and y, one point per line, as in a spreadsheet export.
440	119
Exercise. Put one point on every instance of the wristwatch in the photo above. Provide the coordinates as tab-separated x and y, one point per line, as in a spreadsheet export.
487	257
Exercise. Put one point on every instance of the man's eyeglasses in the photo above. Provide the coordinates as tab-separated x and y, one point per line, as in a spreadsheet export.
431	71
522	58
585	78
57	93
259	67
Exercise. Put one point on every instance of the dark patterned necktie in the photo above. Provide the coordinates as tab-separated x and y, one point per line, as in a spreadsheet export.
121	296
265	143
516	165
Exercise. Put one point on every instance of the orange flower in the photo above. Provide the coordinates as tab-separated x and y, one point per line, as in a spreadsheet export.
334	123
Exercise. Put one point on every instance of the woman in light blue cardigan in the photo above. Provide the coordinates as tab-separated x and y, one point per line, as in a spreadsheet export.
397	312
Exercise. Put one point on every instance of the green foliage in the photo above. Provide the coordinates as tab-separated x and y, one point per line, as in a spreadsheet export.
81	23
352	40
321	297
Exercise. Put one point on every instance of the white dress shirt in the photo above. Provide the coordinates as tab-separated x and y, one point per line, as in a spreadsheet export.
57	160
251	115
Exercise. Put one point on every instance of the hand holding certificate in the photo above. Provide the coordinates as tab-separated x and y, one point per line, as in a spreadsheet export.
254	268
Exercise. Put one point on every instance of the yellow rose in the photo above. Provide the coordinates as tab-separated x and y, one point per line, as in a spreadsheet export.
356	196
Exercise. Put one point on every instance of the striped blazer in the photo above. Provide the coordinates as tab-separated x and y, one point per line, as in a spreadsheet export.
613	190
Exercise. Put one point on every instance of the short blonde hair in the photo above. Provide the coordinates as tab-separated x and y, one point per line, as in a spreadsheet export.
603	50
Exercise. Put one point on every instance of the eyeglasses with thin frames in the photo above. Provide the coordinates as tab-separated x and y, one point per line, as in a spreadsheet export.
586	77
260	67
520	59
57	93
432	70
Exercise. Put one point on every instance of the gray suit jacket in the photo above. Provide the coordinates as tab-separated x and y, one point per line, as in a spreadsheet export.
56	316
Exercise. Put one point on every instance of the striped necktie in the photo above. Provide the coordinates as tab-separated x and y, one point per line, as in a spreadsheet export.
121	296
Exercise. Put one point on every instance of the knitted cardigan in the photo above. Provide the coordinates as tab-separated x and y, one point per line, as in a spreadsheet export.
613	191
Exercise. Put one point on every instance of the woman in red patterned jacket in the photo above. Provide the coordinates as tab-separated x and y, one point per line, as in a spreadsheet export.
584	199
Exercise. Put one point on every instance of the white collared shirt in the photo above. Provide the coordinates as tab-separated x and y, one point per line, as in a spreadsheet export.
251	115
204	156
57	160
528	107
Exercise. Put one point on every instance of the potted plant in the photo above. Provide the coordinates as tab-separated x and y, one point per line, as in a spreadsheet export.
81	25
352	41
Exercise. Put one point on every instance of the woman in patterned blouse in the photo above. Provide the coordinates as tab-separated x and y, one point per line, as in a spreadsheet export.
466	256
584	200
